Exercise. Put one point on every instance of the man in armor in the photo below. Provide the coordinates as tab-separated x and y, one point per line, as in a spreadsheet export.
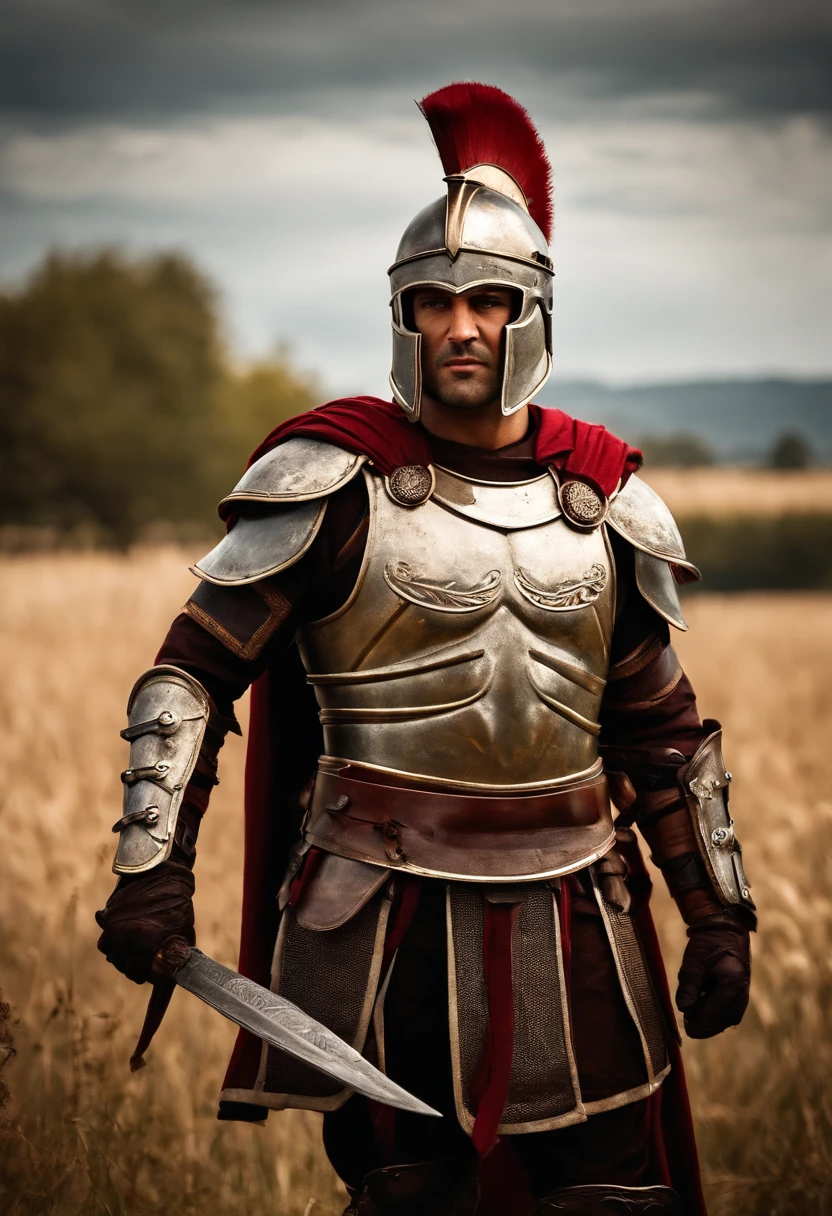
453	609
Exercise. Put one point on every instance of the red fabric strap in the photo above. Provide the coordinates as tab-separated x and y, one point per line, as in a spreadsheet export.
157	1007
497	932
308	869
406	900
409	887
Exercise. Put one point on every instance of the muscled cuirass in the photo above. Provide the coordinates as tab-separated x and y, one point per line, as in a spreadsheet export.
475	645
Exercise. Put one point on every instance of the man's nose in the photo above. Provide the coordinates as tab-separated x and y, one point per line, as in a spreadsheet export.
463	327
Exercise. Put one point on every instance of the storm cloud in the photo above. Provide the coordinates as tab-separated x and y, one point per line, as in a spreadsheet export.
279	144
69	62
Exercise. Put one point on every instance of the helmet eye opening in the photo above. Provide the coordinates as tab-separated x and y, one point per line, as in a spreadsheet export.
403	303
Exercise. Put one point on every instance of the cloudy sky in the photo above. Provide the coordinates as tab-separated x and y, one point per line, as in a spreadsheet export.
279	144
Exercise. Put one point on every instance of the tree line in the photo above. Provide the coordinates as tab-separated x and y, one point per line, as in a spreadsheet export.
788	451
121	408
119	403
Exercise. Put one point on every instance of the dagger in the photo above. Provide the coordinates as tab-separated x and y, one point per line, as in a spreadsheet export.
272	1018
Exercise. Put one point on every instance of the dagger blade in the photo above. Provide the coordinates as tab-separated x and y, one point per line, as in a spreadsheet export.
279	1022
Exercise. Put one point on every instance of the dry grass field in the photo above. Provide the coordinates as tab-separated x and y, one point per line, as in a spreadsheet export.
82	1137
736	491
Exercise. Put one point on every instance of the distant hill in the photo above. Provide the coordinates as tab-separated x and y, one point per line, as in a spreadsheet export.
739	419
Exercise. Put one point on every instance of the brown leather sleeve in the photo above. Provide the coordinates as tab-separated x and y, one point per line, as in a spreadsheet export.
649	701
674	850
243	618
645	678
650	726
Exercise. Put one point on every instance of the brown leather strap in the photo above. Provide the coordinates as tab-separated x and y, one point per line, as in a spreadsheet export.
157	1006
460	834
573	806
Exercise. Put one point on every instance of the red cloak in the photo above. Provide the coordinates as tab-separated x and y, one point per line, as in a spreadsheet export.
284	741
380	430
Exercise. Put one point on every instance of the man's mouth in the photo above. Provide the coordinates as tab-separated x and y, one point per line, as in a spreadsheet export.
463	365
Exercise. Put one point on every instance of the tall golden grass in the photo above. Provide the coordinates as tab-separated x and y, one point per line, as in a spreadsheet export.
735	491
81	1135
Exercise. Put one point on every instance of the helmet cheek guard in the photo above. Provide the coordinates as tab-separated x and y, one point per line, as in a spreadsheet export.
406	368
528	357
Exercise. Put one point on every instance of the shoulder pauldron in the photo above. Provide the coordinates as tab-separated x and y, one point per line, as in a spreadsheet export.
642	518
280	504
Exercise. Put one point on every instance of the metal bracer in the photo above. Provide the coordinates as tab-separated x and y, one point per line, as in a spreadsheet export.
704	781
167	714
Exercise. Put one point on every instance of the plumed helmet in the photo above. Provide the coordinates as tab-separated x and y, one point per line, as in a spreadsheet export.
492	227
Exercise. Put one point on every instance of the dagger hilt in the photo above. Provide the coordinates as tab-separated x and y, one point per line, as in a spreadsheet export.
173	954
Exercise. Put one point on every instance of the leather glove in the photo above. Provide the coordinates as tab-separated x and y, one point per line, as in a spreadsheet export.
715	975
143	913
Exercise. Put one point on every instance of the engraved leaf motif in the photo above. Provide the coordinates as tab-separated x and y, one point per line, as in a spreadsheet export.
445	596
573	594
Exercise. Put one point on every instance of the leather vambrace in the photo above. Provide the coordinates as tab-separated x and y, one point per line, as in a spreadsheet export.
692	839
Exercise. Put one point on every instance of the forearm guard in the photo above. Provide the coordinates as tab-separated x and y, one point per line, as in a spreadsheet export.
168	714
704	782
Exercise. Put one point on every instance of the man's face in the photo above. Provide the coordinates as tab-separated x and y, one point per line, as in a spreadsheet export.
462	343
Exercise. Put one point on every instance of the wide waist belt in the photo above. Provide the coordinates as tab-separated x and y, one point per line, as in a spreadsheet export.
477	838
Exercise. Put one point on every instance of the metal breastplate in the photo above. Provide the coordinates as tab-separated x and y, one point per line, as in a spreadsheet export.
475	646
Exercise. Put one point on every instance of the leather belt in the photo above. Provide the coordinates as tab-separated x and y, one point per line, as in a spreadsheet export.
473	837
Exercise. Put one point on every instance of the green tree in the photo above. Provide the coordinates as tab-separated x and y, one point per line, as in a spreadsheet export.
118	405
790	451
253	401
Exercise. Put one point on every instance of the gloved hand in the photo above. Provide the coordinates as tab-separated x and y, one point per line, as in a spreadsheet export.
143	913
715	975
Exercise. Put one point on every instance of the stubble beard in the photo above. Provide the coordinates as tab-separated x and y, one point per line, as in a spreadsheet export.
463	390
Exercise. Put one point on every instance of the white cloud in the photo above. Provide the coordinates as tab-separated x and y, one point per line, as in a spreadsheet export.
215	162
682	246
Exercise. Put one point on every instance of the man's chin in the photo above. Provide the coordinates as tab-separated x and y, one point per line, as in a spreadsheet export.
465	396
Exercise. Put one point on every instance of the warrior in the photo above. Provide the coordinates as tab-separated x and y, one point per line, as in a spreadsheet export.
453	610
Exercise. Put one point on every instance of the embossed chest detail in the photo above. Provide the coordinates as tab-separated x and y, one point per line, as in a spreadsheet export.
468	652
447	596
451	597
571	593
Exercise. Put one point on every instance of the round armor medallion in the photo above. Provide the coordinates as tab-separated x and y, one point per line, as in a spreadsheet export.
410	485
581	505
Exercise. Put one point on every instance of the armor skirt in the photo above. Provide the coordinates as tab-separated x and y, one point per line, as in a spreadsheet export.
336	954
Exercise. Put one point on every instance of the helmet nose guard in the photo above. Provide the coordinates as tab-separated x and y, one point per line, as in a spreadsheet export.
481	233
